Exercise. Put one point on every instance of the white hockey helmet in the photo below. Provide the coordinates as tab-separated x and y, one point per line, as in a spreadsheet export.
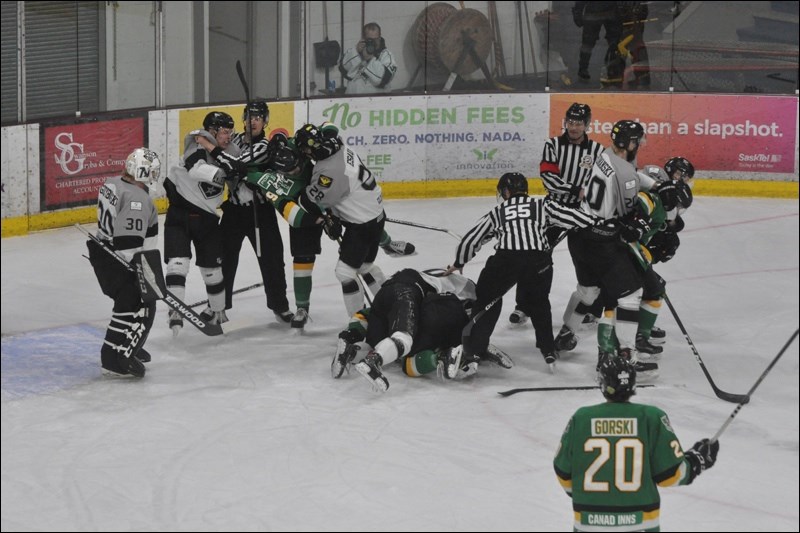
143	165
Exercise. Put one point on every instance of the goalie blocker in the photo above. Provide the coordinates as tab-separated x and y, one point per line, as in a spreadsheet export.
147	267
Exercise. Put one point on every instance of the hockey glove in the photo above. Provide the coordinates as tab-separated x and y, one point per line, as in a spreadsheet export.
351	336
663	246
702	456
633	229
332	227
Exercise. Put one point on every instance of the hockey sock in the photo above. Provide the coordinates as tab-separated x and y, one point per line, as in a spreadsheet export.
385	239
648	313
302	283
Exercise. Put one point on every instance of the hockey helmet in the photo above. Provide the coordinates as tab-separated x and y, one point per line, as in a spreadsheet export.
681	165
513	182
626	131
217	120
617	378
258	108
143	165
285	157
310	141
579	112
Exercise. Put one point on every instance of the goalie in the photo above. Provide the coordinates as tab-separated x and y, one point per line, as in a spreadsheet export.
127	223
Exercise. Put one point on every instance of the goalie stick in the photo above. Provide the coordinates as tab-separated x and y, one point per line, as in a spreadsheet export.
735	412
545	389
152	288
721	394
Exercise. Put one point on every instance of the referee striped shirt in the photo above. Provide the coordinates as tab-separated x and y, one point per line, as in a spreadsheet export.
519	223
566	168
243	195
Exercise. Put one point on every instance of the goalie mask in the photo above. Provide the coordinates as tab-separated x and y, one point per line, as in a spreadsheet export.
143	165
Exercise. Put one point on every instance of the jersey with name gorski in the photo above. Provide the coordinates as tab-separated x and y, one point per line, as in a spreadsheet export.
611	458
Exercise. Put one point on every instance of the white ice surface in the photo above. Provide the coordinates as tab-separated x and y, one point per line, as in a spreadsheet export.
249	432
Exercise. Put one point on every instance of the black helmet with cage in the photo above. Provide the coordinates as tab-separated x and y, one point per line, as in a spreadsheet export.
681	165
617	378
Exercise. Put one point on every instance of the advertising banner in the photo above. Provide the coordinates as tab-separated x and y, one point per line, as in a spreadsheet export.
715	132
281	119
415	138
76	159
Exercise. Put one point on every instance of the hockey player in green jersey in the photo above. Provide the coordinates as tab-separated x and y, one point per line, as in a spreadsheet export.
613	457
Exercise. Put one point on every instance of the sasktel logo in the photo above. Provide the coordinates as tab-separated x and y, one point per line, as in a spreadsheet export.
72	157
761	158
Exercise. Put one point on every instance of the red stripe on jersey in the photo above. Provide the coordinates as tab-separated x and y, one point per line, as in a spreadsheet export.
547	166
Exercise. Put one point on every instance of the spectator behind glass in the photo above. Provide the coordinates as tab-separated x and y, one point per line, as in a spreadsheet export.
370	66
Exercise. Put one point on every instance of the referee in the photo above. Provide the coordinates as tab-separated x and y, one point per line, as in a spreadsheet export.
240	219
565	169
523	257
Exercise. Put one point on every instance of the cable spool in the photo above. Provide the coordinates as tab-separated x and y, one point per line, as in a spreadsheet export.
426	31
463	23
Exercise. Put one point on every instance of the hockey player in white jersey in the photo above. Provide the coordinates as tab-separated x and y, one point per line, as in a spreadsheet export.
195	191
127	223
601	256
344	187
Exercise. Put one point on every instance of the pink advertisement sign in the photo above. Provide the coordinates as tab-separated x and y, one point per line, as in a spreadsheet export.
715	132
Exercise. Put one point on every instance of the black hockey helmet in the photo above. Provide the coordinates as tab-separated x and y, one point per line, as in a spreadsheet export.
580	112
680	164
310	141
617	378
285	156
513	182
257	108
626	131
218	119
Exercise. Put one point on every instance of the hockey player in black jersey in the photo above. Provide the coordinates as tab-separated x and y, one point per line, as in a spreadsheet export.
519	222
415	319
127	222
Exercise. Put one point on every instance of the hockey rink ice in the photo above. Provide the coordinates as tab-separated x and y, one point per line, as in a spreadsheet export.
249	432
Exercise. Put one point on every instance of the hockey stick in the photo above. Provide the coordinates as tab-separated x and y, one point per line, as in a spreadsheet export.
423	226
170	299
237	291
240	72
545	389
735	412
721	394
